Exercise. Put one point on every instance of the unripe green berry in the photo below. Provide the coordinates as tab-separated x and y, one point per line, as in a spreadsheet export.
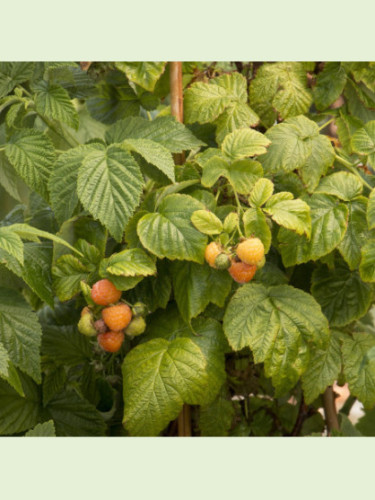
222	261
136	326
86	325
139	309
261	263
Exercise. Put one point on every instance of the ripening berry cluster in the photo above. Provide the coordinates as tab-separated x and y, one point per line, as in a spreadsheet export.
242	263
114	320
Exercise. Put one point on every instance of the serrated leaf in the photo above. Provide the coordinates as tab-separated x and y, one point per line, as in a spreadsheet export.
18	413
11	243
144	74
9	177
278	333
195	286
321	158
153	153
330	84
109	187
367	265
262	190
159	377
47	429
130	262
235	116
20	332
347	125
170	233
341	293
4	361
323	369
359	366
53	383
63	181
68	272
14	73
53	101
255	224
356	234
37	270
206	222
216	418
328	227
291	214
242	174
165	131
363	141
230	222
75	416
204	102
343	185
31	153
244	142
371	210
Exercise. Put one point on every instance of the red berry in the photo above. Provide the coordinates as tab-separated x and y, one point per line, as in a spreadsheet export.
104	293
111	341
117	317
241	272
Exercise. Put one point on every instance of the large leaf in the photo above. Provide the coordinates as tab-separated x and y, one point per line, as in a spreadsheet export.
11	243
278	333
31	153
4	362
195	286
242	174
109	187
323	369
347	125
19	413
363	141
63	181
321	158
359	366
9	178
68	272
144	74
14	73
37	270
165	131
356	234
367	265
53	101
216	418
341	293
47	429
159	377
328	227
130	262
329	84
170	233
292	214
20	332
244	142
344	185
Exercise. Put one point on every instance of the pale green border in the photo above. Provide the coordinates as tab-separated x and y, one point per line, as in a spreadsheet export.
166	468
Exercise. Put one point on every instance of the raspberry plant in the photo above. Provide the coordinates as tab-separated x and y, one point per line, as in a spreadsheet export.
105	177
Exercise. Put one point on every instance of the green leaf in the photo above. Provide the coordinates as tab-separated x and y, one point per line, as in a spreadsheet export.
356	234
359	366
230	222
75	416
344	185
165	131
204	102
291	214
366	424
68	272
216	418
347	125
159	377
242	174
47	429
244	142
53	383
63	181
14	73
18	413
235	116
255	224
323	369
53	101
109	187
37	270
144	74
367	265
195	286
262	190
363	141
321	158
153	153
11	243
206	222
9	177
280	87
328	227
278	333
341	293
20	332
130	262
371	210
330	84
31	153
4	362
170	233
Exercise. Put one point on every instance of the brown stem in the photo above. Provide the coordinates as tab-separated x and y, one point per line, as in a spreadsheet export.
177	100
184	422
330	410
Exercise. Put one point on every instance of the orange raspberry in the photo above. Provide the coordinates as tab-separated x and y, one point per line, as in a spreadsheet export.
241	272
211	252
250	251
104	293
117	317
111	341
